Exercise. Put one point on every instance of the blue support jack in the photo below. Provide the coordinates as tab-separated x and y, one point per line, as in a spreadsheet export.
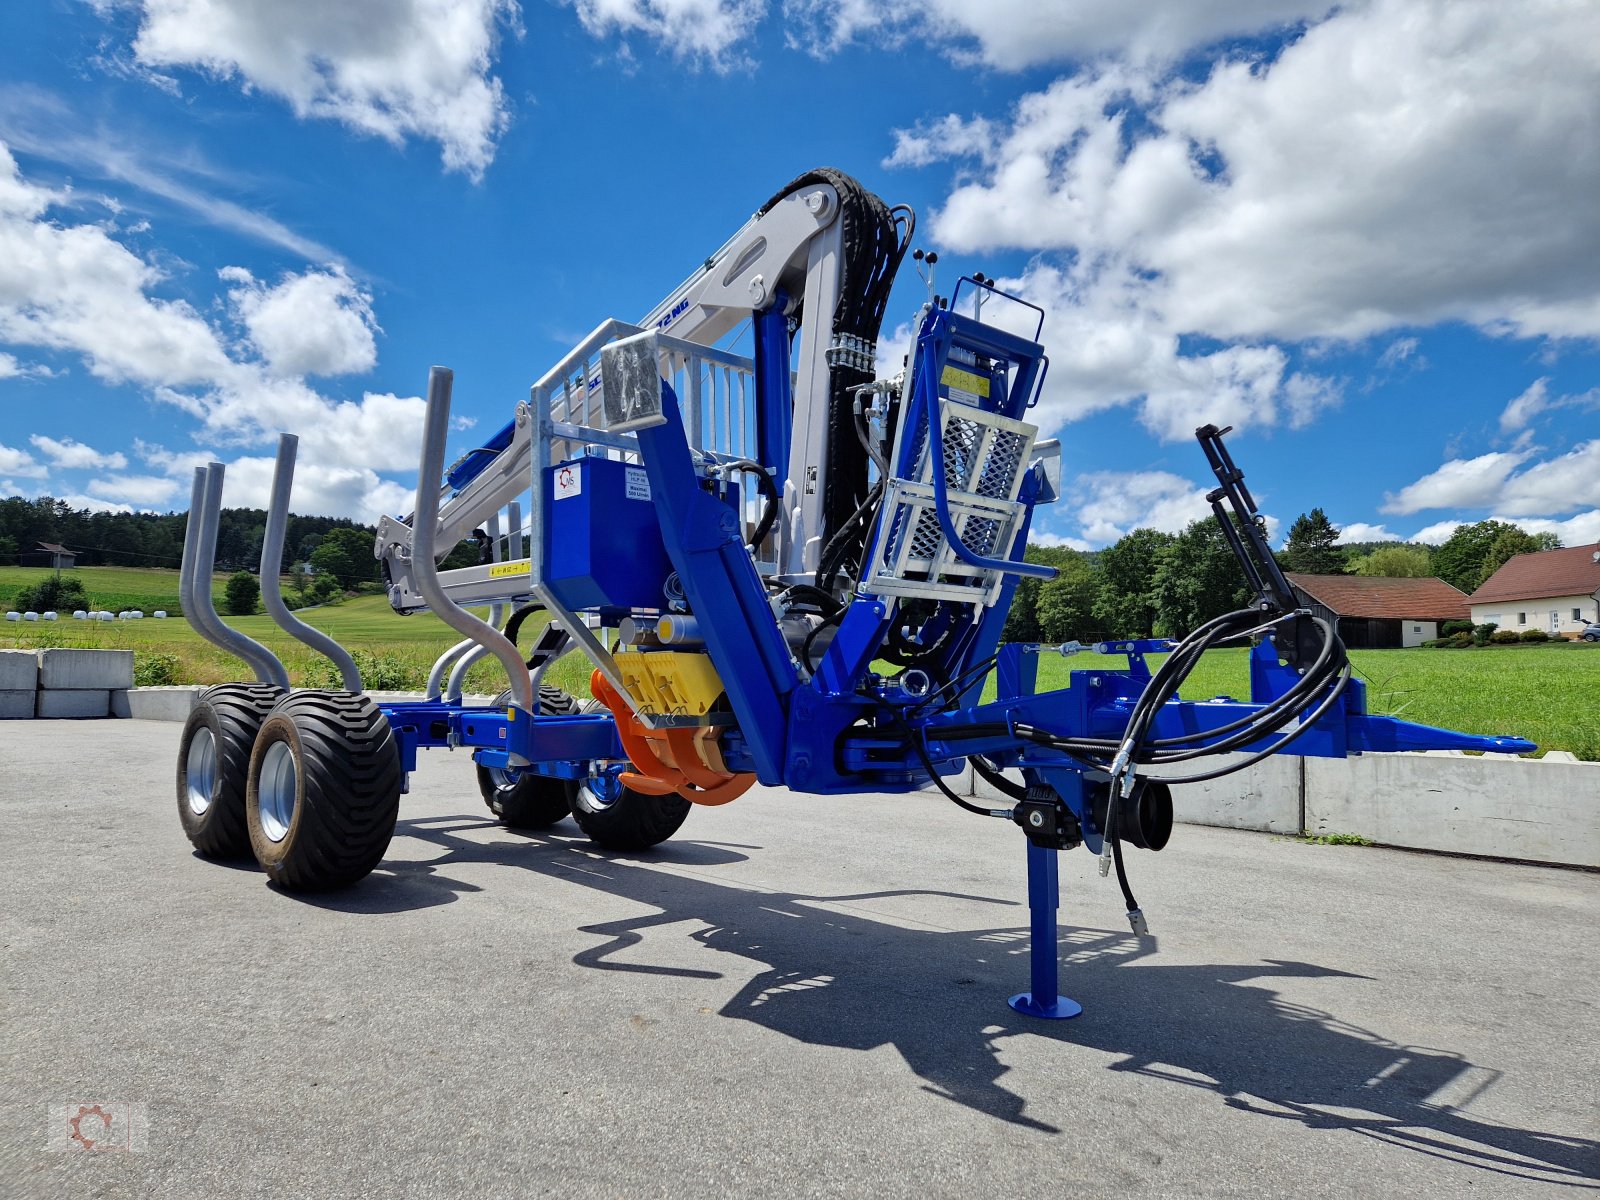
1044	898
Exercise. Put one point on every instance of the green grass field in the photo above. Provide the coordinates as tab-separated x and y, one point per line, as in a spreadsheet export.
110	588
394	652
1547	693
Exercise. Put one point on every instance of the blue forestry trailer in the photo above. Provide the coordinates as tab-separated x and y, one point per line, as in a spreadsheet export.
782	569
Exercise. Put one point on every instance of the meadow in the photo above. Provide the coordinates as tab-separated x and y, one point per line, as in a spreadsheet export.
1548	693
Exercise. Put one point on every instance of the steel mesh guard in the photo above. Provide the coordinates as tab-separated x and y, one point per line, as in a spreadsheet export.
985	455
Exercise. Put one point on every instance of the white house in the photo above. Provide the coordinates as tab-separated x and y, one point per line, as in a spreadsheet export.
1557	591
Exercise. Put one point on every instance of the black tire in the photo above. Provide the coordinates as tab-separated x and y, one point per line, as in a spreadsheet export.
529	801
1591	637
322	809
214	765
633	821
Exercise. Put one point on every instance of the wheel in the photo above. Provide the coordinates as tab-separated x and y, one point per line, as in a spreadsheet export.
1591	637
213	763
525	800
616	817
324	790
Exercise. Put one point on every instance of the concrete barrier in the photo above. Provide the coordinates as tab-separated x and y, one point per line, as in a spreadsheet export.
74	704
100	670
1542	810
19	670
16	705
154	703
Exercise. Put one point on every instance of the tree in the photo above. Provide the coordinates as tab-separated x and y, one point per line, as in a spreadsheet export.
1022	619
1474	552
1197	578
1310	547
346	554
65	594
242	594
1066	603
1124	604
1396	562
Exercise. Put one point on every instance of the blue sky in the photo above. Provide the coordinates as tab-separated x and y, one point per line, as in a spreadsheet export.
1367	235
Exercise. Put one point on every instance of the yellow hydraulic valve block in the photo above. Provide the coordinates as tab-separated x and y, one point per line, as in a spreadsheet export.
675	683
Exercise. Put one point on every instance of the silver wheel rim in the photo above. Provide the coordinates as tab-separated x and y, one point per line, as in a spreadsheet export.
276	789
200	771
593	801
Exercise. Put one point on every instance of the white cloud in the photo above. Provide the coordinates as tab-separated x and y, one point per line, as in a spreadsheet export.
1110	504
694	30
1536	400
74	455
1113	346
78	502
1459	483
1360	531
318	323
1577	530
1403	163
1013	34
21	464
41	124
1039	537
1436	534
324	483
1493	481
76	288
420	69
142	491
11	368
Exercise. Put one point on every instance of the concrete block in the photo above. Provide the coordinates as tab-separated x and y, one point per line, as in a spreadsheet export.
1488	805
100	670
156	703
1264	797
19	670
119	703
74	703
16	705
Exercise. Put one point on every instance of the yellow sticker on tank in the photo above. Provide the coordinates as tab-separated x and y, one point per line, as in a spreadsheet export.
500	570
965	381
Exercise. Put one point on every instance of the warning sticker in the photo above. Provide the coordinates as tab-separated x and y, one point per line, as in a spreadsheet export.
963	386
569	482
636	483
501	570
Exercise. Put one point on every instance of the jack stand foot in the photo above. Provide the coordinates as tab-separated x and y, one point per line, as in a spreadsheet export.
1044	895
1059	1009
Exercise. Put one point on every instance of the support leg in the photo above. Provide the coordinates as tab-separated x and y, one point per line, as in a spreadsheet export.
1044	897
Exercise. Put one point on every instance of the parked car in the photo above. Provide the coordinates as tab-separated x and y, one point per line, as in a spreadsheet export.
1591	633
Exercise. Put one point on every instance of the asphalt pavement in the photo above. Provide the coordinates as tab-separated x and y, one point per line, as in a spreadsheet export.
796	996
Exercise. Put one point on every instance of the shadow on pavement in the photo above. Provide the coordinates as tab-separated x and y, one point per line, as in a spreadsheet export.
839	974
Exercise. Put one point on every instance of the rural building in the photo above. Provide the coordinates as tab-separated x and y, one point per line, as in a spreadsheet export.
1379	613
1557	591
48	554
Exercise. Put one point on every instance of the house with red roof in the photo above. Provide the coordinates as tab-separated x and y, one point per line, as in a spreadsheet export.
1557	591
1378	612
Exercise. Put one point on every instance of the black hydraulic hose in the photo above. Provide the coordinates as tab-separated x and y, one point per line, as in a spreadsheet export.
993	776
1122	877
514	625
769	489
922	752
